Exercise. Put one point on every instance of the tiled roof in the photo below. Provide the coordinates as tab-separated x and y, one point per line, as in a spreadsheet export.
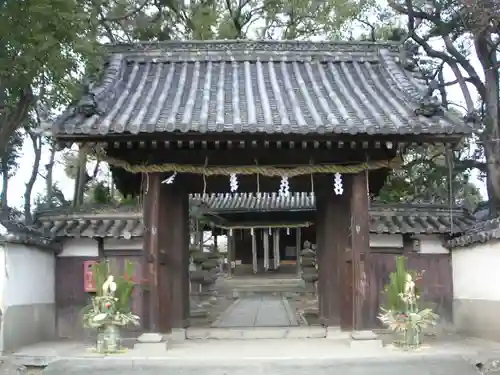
481	232
120	221
258	87
16	232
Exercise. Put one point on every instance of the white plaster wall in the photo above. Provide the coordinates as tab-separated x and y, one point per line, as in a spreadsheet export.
27	284
432	244
476	274
476	292
80	247
3	284
87	247
122	244
30	276
376	240
386	240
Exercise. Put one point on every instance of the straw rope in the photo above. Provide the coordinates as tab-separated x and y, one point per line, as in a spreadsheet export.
268	171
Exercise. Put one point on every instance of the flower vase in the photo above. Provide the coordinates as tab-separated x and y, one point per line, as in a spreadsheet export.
111	338
412	337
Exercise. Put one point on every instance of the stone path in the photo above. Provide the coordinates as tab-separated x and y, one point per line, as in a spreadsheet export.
258	311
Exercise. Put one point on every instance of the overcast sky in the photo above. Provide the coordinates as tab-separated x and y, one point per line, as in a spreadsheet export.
18	181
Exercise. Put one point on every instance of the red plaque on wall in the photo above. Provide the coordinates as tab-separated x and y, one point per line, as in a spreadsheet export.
88	276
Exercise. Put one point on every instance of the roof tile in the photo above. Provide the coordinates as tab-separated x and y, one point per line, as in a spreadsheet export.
483	231
109	222
246	87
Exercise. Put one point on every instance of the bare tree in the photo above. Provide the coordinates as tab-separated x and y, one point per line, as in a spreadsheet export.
462	29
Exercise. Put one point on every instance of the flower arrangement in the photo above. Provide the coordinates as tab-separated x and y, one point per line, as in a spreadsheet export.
403	314
109	308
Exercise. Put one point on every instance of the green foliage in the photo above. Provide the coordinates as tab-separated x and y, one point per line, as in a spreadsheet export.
426	178
43	201
396	286
9	159
125	283
43	47
101	193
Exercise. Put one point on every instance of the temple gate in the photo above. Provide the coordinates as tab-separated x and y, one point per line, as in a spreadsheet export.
214	116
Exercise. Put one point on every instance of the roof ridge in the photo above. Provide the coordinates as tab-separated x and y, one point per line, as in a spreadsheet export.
255	44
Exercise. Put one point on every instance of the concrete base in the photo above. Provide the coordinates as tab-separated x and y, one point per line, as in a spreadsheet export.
477	318
255	333
150	346
335	333
178	334
366	344
198	313
27	324
150	337
289	366
363	335
365	340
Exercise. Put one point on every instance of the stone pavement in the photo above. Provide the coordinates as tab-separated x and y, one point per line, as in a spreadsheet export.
257	311
409	366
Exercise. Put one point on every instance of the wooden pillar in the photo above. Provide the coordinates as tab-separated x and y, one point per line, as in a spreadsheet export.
265	240
166	255
216	249
151	250
230	252
332	240
254	251
360	245
298	248
276	248
322	270
177	257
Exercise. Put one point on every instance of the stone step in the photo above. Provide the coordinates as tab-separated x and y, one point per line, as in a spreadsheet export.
253	333
255	281
238	293
337	362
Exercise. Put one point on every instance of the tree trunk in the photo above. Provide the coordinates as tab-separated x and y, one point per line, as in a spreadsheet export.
5	184
49	167
15	118
487	56
36	141
81	179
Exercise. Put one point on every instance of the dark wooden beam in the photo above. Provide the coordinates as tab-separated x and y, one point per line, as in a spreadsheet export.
177	255
129	183
321	228
166	254
333	227
153	238
258	137
360	245
250	156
